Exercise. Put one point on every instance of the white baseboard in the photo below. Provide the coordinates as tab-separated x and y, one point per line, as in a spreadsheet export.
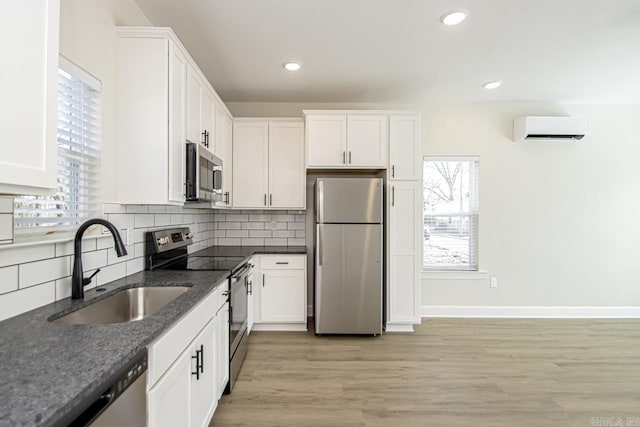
568	312
399	327
291	327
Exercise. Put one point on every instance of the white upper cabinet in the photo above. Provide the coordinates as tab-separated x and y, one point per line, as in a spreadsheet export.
347	140
223	148
195	93
163	102
367	141
286	164
326	140
268	164
29	111
405	159
250	164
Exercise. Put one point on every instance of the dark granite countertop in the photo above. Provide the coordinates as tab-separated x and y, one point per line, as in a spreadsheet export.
247	251
47	370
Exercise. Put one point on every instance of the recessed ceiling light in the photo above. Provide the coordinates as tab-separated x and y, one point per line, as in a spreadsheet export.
292	66
492	85
453	17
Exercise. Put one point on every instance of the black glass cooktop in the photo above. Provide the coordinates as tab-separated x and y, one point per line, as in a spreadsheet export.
204	263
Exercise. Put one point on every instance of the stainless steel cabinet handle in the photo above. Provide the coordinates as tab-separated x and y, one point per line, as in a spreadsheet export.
250	287
201	358
349	156
282	262
393	195
265	199
393	171
344	157
270	199
263	280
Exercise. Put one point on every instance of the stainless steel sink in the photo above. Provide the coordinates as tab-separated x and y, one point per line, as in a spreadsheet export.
127	305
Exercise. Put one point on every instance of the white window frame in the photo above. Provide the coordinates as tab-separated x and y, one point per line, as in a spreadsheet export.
43	232
474	218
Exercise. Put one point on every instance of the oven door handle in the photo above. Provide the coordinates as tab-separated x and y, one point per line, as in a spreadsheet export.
242	272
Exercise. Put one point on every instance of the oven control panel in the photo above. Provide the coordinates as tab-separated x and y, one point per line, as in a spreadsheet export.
165	240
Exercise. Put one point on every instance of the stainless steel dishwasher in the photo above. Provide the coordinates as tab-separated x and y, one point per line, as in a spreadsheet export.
122	403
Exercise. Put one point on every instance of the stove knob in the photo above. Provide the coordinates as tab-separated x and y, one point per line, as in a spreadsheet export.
189	235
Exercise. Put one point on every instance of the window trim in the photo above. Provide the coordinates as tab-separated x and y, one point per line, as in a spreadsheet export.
467	271
57	233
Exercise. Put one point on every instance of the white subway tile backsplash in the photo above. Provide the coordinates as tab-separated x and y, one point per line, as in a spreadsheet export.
133	209
135	265
121	220
229	226
296	242
96	259
260	217
253	225
275	242
296	226
14	303
112	208
301	234
238	233
8	279
63	288
281	225
252	242
143	220
162	220
224	241
111	273
260	233
283	233
237	217
11	256
113	258
283	217
34	273
39	274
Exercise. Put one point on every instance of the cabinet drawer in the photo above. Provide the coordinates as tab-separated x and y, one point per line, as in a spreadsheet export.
282	262
166	349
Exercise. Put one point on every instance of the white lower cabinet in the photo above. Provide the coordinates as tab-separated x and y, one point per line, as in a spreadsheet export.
405	253
168	401
280	293
188	366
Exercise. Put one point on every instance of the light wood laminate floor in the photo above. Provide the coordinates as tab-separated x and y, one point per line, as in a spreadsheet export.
451	372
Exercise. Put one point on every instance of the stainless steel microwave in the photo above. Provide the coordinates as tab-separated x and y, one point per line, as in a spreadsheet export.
204	174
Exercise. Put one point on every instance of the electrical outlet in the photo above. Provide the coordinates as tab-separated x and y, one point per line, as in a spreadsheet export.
494	282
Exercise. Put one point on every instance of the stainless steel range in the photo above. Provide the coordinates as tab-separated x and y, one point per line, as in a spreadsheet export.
168	250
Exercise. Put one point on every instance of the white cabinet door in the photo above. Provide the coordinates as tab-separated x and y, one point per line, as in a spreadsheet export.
168	402
194	106
326	140
405	148
253	284
28	164
222	349
405	240
250	164
367	139
287	181
209	119
282	298
204	384
227	171
177	110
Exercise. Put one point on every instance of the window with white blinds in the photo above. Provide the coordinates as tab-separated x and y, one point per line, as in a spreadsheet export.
450	230
78	194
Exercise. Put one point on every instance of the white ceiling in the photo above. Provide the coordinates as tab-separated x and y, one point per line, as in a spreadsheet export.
396	51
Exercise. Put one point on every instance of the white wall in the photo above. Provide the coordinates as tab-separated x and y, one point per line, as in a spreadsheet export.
88	38
559	220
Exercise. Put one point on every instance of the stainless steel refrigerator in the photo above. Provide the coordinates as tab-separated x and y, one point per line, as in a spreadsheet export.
348	255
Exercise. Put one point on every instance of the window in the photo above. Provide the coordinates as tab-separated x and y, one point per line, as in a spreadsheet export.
450	207
78	194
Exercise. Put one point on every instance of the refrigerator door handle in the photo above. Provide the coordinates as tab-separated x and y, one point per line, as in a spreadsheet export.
393	195
320	198
320	252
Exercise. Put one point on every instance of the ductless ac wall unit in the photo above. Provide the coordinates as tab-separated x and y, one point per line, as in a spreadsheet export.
549	128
